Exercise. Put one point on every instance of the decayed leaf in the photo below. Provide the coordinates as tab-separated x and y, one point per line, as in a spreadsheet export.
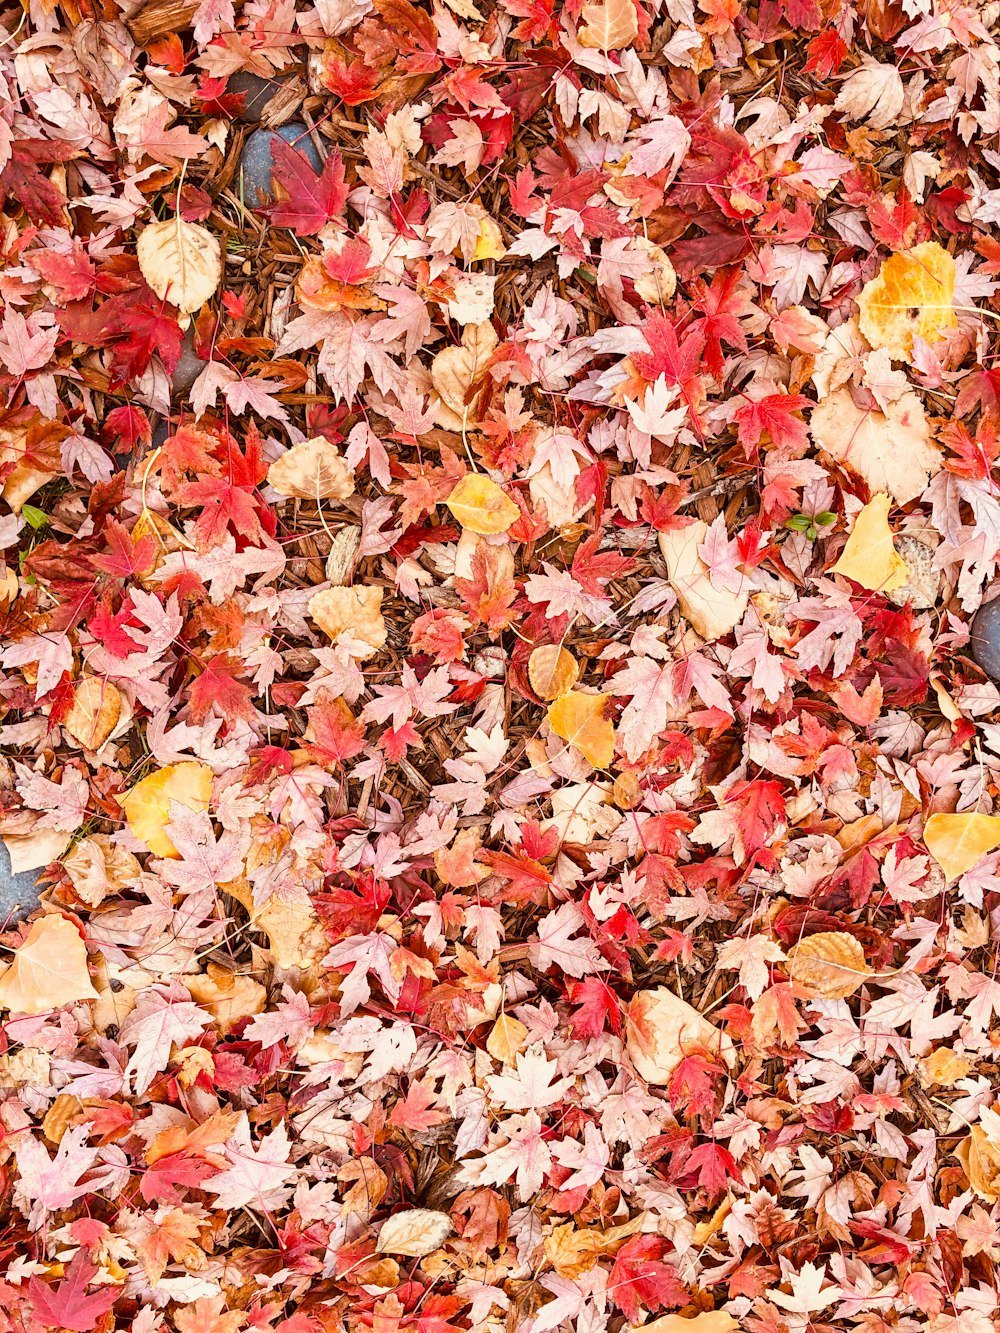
147	804
912	295
552	670
869	557
579	719
713	613
181	261
481	506
312	470
891	450
829	965
609	25
352	617
957	842
661	1030
415	1232
455	370
94	712
49	969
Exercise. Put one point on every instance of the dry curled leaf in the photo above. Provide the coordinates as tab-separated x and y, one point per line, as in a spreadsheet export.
829	965
579	719
912	296
94	712
869	557
980	1158
608	25
958	842
415	1232
147	804
662	1028
181	261
552	670
312	470
49	969
351	617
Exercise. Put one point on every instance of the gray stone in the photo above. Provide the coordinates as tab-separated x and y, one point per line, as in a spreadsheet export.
188	368
257	160
985	635
257	92
18	892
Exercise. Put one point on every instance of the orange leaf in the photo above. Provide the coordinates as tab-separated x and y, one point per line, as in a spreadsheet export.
579	719
481	506
912	296
552	671
957	842
49	969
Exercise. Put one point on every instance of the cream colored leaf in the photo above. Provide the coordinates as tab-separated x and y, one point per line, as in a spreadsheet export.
912	296
579	719
609	25
49	969
312	470
480	505
552	670
958	842
94	712
181	261
829	965
415	1232
147	804
711	612
891	450
869	558
353	617
661	1028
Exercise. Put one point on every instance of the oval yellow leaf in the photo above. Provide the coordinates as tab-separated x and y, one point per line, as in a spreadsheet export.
147	805
181	261
830	965
957	842
94	713
552	671
912	296
49	969
481	506
869	558
579	719
506	1038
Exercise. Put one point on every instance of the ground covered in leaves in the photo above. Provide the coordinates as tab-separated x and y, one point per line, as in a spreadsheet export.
487	666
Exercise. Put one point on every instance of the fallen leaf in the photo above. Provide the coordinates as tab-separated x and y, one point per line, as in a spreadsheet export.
980	1158
352	616
958	842
507	1037
481	506
829	965
181	261
552	670
661	1028
707	1321
713	613
312	470
94	712
869	557
49	969
912	295
147	804
579	719
891	450
455	370
415	1232
609	25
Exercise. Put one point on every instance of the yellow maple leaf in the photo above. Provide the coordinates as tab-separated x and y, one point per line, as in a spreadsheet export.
147	805
957	842
869	558
912	295
579	719
481	506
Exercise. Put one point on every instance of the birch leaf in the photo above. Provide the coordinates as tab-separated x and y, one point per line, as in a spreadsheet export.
912	296
181	261
957	842
609	25
579	719
49	969
869	558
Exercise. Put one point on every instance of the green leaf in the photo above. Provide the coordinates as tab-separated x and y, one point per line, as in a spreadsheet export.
38	518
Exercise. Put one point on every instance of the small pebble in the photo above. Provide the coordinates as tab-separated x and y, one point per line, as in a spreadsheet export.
18	893
985	634
257	161
256	91
921	588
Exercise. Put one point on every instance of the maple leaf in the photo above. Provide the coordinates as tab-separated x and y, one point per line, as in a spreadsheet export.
218	687
68	1305
22	178
163	1015
773	415
313	200
257	1176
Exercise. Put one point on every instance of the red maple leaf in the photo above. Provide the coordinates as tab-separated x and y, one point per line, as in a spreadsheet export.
336	734
23	178
709	1167
592	570
640	1278
313	200
775	415
125	556
219	687
160	1181
229	499
676	360
762	808
68	1305
145	329
599	1008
